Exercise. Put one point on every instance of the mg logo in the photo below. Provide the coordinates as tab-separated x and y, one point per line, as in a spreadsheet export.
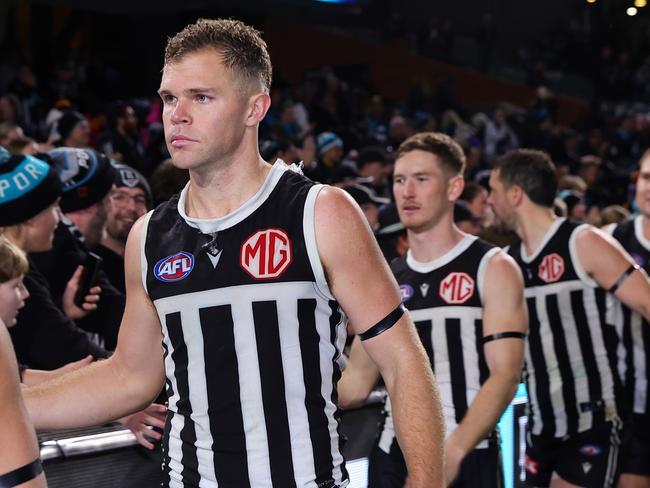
456	288
551	268
266	254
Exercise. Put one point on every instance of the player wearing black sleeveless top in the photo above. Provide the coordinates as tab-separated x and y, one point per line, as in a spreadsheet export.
233	296
574	424
634	347
461	292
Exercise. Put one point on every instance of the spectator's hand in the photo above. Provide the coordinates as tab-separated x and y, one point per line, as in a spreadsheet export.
90	302
142	424
308	151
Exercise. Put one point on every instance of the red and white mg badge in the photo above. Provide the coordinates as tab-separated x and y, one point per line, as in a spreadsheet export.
266	254
551	268
456	288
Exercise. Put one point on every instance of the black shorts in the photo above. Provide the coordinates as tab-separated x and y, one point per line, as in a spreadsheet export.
480	469
635	449
588	459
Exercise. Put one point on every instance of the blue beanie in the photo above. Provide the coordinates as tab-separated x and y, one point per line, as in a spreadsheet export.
27	187
327	141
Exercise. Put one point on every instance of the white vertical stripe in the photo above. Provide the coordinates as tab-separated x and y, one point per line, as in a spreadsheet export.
301	445
621	353
309	231
597	339
552	367
578	368
470	358
639	355
443	372
388	433
327	353
198	393
174	446
533	401
250	395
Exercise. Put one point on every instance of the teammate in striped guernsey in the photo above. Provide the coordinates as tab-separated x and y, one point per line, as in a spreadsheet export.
466	298
634	346
246	279
574	424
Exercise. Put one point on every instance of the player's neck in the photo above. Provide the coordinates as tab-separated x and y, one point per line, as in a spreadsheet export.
434	242
221	189
533	225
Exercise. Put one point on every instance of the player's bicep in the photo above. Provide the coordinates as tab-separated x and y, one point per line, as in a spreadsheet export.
357	273
139	346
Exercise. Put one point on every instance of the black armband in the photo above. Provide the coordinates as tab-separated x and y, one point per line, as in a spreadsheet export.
504	335
21	371
623	277
21	475
384	324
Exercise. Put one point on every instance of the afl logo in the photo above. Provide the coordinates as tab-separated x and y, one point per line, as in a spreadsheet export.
266	254
175	267
456	288
406	291
551	268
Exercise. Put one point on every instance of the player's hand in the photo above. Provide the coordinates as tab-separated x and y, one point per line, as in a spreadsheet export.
142	424
454	456
90	301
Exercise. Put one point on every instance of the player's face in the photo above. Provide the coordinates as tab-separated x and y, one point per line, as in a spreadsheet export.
126	205
498	200
204	111
12	298
421	190
643	188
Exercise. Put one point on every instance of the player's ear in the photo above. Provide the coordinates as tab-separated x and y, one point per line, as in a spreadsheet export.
455	188
258	105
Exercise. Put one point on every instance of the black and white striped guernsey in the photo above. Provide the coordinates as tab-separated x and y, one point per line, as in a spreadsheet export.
632	328
252	341
570	351
444	299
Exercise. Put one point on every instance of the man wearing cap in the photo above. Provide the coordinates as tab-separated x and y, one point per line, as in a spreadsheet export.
391	233
130	199
45	336
88	179
329	168
368	201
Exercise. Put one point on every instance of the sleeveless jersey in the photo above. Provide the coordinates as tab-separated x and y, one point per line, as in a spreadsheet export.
570	357
252	338
633	330
444	299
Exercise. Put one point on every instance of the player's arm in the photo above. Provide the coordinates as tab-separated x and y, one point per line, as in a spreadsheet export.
17	439
608	264
505	324
126	382
364	286
359	377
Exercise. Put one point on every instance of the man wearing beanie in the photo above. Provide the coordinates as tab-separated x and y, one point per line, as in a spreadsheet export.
44	337
88	178
72	130
329	168
130	199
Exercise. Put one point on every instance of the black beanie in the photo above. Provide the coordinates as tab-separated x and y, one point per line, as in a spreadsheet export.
127	177
66	124
87	176
27	187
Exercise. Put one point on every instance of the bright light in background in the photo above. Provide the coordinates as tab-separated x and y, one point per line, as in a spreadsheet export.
591	1
631	11
640	3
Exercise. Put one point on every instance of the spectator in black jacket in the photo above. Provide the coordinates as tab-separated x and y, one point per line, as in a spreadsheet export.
45	336
88	178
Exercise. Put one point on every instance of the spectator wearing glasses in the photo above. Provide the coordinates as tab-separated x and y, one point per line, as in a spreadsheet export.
130	199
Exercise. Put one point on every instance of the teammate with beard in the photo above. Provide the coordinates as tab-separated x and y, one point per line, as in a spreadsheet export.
573	423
